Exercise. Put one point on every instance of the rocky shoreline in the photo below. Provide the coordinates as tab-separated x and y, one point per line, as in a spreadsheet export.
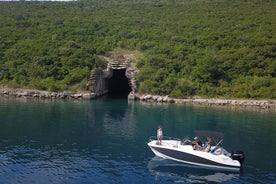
28	93
262	104
17	92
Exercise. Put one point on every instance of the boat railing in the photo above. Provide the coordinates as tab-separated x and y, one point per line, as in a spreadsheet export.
164	138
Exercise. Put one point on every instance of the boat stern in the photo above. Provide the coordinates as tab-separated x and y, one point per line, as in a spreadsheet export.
238	155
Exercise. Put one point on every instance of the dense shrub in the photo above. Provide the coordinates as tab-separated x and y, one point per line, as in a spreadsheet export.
208	48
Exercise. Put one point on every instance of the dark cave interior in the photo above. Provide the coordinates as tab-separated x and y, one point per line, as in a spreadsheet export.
118	84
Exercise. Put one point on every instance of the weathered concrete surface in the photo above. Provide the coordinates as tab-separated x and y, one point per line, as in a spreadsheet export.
99	80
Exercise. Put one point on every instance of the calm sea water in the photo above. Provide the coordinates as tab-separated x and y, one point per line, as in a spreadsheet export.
104	141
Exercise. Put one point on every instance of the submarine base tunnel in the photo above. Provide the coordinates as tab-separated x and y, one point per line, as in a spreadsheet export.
118	84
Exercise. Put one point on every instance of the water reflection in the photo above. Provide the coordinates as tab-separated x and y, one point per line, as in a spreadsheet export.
168	170
119	120
116	117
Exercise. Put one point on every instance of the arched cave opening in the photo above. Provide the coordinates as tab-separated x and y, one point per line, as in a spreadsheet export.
118	84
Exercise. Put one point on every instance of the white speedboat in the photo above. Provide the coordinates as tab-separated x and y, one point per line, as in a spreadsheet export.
184	151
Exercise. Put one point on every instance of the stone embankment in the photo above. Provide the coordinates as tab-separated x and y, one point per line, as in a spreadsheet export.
28	93
262	104
44	94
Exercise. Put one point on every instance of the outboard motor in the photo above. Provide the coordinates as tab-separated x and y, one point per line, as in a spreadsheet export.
238	155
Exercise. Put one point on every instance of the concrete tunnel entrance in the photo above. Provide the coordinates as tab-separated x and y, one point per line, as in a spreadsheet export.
118	84
117	80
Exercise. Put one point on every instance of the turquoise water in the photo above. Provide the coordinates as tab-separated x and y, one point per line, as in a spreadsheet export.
104	141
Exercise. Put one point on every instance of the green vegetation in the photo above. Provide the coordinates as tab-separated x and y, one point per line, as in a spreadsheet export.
214	48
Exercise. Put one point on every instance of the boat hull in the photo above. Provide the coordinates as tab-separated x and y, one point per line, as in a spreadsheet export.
185	154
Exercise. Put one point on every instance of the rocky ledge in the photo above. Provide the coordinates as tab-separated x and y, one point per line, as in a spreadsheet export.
263	104
44	94
16	92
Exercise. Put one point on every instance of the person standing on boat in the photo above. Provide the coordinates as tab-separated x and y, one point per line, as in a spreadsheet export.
159	134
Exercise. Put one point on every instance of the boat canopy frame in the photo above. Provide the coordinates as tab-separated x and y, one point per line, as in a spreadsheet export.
217	137
208	133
